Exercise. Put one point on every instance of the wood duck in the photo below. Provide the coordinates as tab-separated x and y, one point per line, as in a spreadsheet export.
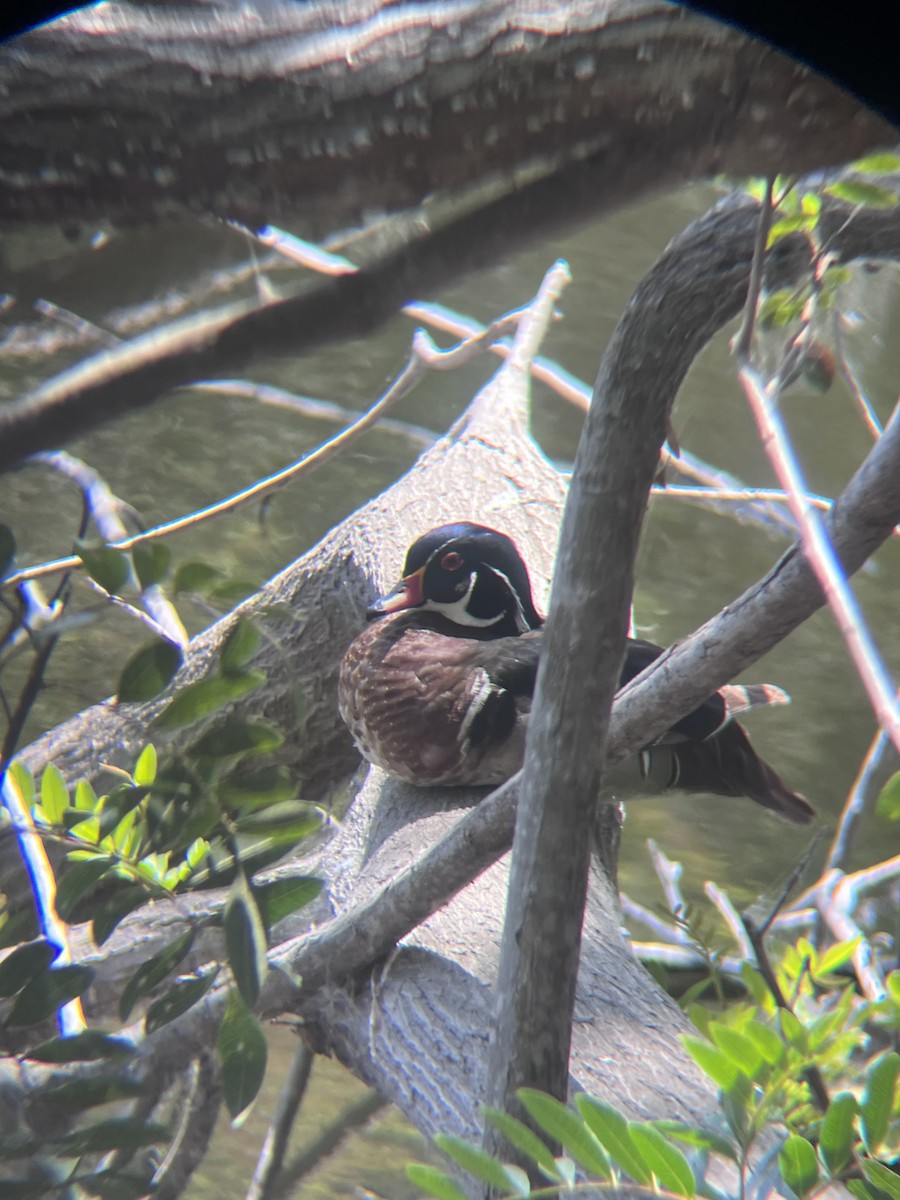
437	689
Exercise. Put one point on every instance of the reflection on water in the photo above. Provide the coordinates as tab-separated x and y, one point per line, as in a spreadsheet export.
193	448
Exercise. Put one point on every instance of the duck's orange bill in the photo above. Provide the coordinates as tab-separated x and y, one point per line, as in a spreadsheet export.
407	594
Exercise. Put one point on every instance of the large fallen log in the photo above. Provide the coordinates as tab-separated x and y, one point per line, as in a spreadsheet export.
416	1023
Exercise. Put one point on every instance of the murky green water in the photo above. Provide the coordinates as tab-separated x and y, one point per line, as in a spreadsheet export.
191	449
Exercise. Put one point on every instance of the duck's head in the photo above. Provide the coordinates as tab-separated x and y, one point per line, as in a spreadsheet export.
472	575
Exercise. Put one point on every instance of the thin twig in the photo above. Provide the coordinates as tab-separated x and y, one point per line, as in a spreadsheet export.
859	397
271	1158
414	371
669	875
820	553
674	935
855	804
730	916
744	340
756	935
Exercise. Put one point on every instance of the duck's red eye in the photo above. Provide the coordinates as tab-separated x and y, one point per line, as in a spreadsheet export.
451	561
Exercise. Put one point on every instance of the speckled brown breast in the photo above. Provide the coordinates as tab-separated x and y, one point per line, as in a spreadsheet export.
420	704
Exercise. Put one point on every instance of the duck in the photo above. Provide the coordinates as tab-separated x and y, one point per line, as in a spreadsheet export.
437	688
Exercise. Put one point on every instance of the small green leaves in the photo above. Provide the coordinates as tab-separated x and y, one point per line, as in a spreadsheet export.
48	991
876	164
239	647
799	1165
612	1130
882	1177
206	697
888	804
836	1132
24	963
245	939
868	195
481	1165
566	1127
87	1046
145	768
110	568
670	1168
718	1066
151	562
238	737
242	1053
281	897
151	973
178	999
54	795
434	1182
519	1135
149	671
878	1100
196	577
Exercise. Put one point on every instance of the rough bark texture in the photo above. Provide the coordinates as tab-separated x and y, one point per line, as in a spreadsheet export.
504	123
319	113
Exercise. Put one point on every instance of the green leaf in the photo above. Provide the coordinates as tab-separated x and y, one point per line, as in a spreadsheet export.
882	1177
43	995
77	881
281	897
238	737
24	963
474	1160
7	549
110	568
780	229
766	1041
118	1133
888	803
519	1135
239	647
114	909
710	1059
258	789
178	1000
233	591
877	164
836	1132
434	1182
799	1165
149	671
82	1047
834	958
878	1099
197	577
145	768
291	819
741	1050
669	1166
564	1126
862	1190
780	309
245	939
207	696
75	1095
242	1053
151	562
869	195
23	780
612	1131
151	973
54	794
693	1135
